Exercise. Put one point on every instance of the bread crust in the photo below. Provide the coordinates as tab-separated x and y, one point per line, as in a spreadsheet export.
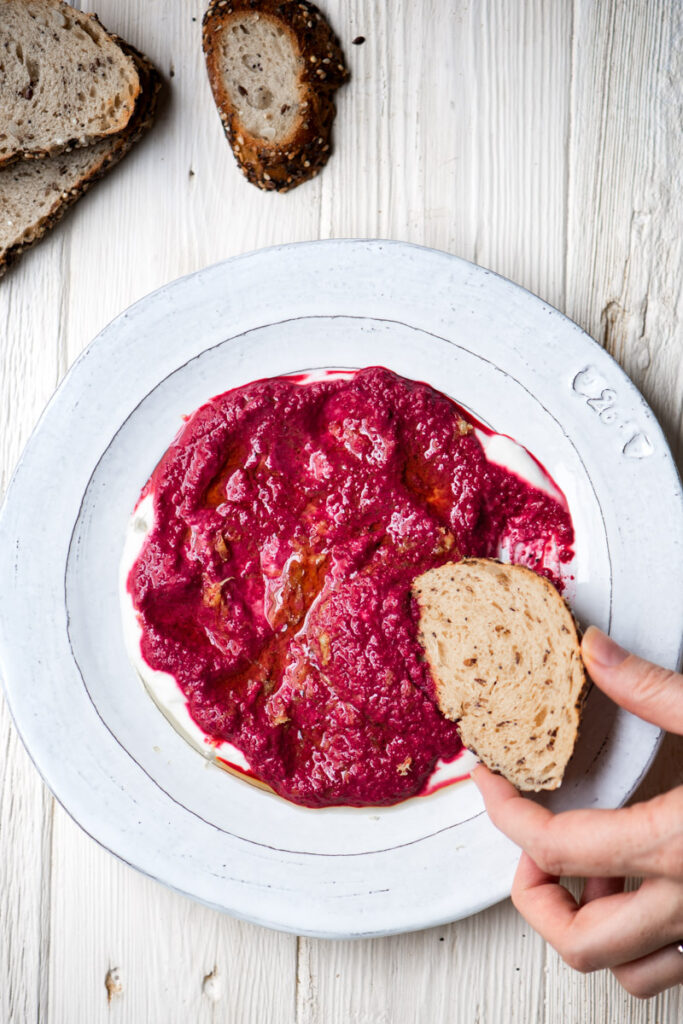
79	141
280	166
120	144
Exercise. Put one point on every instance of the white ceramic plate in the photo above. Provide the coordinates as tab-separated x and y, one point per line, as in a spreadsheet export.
99	742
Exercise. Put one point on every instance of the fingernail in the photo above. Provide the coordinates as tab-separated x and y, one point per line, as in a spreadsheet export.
600	648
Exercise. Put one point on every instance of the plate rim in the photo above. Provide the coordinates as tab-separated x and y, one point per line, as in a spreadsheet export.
155	296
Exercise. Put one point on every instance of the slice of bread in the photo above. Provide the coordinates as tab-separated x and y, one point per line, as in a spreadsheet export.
274	68
35	194
504	654
64	81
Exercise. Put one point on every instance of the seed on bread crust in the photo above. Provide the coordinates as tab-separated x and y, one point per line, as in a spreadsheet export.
278	142
458	609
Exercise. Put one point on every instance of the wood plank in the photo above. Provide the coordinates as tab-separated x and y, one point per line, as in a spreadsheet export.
452	133
624	248
25	825
521	104
487	968
625	225
31	306
126	949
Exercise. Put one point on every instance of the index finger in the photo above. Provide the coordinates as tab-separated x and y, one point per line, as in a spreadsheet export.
642	839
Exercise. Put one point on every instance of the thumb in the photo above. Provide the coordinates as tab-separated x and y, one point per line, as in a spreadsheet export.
651	692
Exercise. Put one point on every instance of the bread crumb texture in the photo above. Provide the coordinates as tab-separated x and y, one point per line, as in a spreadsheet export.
274	69
504	654
35	194
64	81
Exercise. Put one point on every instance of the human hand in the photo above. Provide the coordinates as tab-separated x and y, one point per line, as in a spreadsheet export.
635	934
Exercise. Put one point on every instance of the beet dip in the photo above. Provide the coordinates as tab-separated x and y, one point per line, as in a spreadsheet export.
290	521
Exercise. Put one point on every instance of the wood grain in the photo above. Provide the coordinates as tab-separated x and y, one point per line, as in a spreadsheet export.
625	216
31	311
163	957
540	140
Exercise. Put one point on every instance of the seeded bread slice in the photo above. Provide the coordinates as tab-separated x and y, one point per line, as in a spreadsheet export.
35	194
504	654
274	68
64	81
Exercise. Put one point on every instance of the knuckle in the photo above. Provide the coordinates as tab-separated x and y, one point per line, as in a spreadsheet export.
663	822
672	857
547	856
641	991
576	954
636	986
651	682
674	844
517	896
521	899
578	960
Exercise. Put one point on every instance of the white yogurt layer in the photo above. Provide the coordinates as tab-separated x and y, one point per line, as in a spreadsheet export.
505	452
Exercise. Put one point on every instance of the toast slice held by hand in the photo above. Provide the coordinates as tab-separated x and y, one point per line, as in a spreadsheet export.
504	654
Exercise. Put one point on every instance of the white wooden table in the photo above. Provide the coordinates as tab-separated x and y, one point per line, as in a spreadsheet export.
540	138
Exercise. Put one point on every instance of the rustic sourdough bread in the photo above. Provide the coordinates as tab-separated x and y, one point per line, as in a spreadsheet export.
505	657
35	194
64	81
274	68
